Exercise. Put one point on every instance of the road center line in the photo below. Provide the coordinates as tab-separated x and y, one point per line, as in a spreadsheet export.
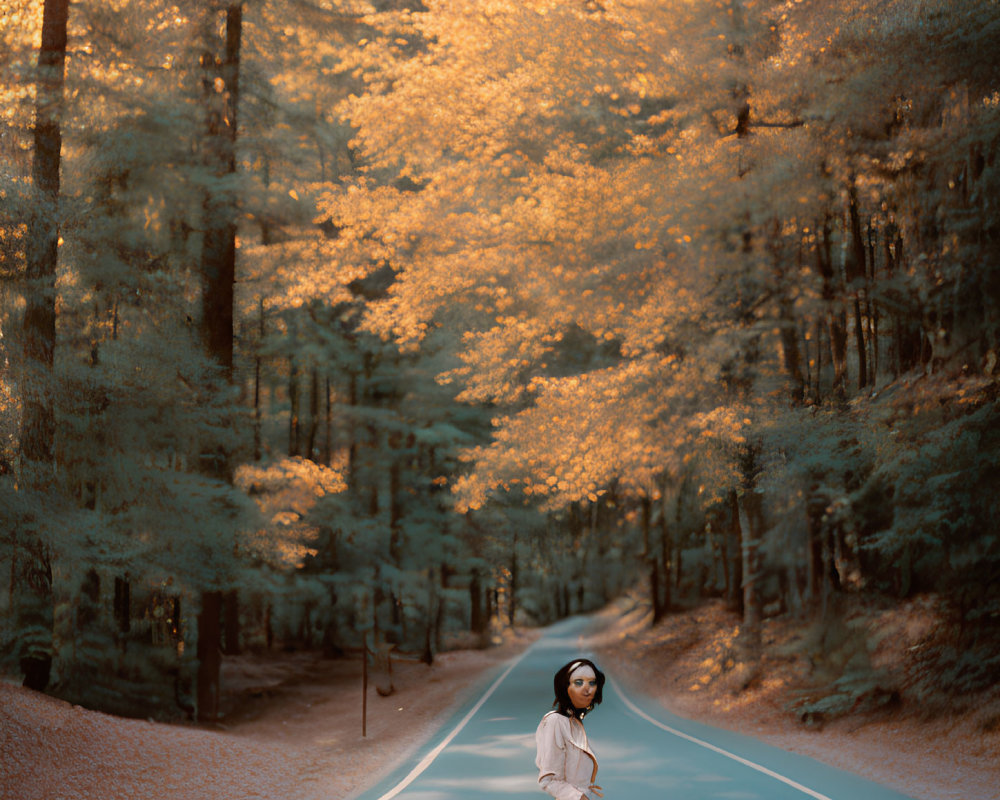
770	773
433	754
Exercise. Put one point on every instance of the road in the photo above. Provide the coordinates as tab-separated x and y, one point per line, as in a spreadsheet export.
487	751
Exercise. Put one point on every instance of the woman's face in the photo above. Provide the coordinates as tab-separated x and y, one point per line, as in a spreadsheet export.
582	686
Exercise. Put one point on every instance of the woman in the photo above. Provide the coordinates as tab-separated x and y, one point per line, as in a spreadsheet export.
567	768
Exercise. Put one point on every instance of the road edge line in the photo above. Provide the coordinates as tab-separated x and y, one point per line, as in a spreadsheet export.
746	762
433	754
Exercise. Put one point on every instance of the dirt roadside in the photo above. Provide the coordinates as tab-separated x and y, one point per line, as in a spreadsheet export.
294	732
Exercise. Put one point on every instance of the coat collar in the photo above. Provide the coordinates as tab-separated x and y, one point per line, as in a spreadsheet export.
575	733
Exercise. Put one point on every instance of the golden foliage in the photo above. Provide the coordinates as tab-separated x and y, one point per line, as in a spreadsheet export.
285	491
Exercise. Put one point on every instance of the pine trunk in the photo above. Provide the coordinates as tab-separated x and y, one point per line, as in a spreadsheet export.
512	585
328	424
209	656
220	82
750	521
733	533
670	568
833	298
294	406
857	270
311	447
33	578
123	605
257	411
478	616
652	562
218	258
787	322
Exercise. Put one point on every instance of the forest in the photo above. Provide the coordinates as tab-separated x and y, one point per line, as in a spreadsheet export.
371	325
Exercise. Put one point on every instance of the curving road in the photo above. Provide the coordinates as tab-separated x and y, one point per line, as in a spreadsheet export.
645	753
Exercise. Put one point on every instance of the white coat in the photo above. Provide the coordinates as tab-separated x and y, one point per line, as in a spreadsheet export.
566	765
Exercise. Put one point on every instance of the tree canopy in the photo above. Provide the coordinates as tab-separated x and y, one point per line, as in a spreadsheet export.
372	322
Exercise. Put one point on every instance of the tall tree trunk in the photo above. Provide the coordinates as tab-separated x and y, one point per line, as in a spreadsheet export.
352	448
871	310
434	618
328	424
294	408
512	584
38	421
441	609
394	440
751	523
790	348
817	390
733	533
34	610
862	345
857	272
788	325
209	652
310	450
834	303
479	619
652	562
671	567
727	570
220	83
815	508
907	336
395	502
257	411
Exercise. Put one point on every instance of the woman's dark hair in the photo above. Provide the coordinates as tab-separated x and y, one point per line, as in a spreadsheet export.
561	684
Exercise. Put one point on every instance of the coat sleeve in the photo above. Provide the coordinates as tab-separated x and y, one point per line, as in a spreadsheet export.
550	744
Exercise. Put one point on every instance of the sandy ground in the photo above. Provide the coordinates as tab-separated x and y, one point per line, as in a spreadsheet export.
296	731
296	734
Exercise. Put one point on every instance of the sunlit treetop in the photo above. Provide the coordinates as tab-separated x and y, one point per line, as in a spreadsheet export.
495	79
540	142
638	424
285	491
556	181
20	33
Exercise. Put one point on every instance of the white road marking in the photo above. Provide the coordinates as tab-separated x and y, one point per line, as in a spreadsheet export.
433	754
771	773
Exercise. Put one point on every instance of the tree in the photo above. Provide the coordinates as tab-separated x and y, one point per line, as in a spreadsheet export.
693	231
652	283
37	438
128	395
220	62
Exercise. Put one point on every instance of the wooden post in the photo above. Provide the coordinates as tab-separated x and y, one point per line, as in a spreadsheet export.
364	687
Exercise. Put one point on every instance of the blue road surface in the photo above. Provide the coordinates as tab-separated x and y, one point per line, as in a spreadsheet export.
488	751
